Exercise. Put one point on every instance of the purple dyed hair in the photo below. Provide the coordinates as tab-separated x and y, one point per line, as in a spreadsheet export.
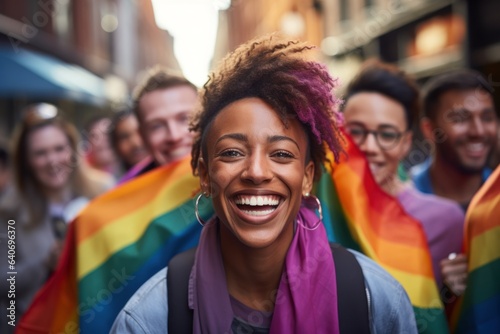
275	71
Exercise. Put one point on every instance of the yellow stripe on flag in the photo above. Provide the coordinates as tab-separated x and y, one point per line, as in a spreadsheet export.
488	253
421	290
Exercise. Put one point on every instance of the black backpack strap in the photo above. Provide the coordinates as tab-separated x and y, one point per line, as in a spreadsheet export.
180	316
351	292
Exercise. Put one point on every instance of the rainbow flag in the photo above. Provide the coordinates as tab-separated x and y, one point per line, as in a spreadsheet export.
119	241
478	311
359	215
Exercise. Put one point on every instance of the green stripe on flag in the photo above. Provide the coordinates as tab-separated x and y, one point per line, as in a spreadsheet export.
482	284
334	218
431	320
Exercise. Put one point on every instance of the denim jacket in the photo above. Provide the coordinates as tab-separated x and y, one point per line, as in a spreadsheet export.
390	310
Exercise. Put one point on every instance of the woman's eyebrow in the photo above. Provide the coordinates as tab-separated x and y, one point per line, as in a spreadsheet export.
276	138
243	138
235	136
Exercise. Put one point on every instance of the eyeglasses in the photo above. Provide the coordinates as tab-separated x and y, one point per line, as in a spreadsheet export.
386	136
38	113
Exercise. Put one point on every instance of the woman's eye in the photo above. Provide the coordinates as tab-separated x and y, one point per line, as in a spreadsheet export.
283	154
356	132
388	135
230	153
60	149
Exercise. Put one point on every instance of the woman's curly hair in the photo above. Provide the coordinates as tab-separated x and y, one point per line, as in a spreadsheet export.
275	71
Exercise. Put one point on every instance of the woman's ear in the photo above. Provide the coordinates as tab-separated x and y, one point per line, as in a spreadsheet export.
204	177
307	182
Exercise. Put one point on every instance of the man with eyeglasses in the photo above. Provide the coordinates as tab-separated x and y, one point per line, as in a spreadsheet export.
381	102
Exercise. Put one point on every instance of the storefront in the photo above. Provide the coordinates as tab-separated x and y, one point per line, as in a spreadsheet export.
27	76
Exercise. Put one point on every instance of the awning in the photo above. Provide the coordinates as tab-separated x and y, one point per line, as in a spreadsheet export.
34	75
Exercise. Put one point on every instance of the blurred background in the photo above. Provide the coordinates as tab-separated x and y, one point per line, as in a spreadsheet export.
86	56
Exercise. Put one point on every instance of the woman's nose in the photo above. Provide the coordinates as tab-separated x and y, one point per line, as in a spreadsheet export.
370	144
258	169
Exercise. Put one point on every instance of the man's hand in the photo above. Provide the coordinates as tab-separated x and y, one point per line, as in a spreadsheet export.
454	271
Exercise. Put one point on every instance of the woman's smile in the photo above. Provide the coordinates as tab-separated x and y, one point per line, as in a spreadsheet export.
257	208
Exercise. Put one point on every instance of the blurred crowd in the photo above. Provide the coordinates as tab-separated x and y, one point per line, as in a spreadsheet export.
49	171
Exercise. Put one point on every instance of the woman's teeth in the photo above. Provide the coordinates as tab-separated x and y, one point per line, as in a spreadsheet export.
257	205
257	200
258	212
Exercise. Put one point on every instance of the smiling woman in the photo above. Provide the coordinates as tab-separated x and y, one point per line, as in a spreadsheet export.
263	264
51	186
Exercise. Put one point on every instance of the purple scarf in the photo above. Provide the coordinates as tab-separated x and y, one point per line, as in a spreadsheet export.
306	301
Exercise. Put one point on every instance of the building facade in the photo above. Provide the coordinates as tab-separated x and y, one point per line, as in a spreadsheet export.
424	37
244	20
84	56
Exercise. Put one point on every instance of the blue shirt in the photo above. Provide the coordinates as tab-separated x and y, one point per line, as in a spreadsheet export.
421	177
390	310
